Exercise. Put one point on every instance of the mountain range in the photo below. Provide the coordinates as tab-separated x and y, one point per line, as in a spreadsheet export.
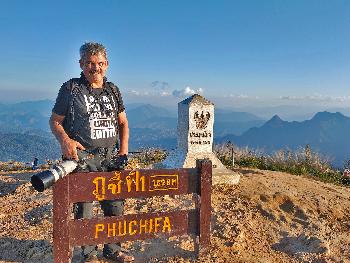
326	133
25	133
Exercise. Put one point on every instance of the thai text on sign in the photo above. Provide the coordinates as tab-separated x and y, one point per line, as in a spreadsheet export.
133	182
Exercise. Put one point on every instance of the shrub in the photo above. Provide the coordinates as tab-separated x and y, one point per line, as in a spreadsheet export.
146	157
303	161
13	166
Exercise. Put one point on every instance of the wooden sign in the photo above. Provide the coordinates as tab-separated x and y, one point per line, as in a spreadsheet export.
98	186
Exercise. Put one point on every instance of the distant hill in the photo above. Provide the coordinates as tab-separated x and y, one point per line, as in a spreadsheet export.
29	115
226	121
232	122
326	133
24	147
25	131
153	126
24	116
42	107
26	124
151	117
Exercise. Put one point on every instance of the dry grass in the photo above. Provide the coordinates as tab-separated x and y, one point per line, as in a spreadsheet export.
303	161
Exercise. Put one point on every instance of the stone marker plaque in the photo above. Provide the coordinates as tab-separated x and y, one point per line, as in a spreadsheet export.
194	134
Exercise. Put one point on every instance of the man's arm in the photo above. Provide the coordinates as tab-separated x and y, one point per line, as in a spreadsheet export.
68	146
123	133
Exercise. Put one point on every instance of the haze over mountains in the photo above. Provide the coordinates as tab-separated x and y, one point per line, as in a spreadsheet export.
326	133
25	134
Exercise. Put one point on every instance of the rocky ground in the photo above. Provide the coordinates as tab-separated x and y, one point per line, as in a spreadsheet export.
268	217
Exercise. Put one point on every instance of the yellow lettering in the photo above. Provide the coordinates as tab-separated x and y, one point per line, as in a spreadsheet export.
135	179
150	225
111	228
119	228
100	190
143	226
130	180
156	223
132	231
154	182
116	185
134	227
99	228
163	182
173	181
116	176
166	224
113	188
143	183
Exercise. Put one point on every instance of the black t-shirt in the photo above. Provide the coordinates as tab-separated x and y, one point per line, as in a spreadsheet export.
90	113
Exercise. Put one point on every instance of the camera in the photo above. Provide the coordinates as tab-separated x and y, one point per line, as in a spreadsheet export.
43	180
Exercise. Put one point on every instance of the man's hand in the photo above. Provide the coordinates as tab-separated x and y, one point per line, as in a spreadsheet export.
69	148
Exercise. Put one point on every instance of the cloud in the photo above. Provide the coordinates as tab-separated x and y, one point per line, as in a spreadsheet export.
160	85
164	93
188	91
317	97
134	92
162	89
138	93
243	97
157	88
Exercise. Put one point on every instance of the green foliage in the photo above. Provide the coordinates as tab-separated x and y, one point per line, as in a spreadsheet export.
301	162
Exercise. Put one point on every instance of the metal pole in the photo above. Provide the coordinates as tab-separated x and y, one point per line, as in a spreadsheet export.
233	157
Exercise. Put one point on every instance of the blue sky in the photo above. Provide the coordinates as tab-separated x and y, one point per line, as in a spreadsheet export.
237	53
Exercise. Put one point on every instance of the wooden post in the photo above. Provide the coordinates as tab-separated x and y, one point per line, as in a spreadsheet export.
205	171
61	214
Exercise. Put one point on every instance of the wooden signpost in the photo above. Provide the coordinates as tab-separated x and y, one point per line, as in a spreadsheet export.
98	186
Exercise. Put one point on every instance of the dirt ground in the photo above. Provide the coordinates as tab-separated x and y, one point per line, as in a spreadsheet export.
268	217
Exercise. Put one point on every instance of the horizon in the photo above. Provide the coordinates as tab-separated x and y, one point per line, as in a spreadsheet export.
287	113
237	54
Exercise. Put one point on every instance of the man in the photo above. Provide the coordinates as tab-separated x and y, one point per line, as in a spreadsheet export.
86	119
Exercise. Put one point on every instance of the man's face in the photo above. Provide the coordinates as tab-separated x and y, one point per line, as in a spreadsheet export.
94	68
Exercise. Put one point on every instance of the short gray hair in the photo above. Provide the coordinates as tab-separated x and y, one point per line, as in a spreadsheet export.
92	48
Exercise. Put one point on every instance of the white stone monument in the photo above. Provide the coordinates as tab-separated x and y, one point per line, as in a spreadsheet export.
195	139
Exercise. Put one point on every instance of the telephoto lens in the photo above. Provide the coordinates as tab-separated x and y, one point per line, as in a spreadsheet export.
47	178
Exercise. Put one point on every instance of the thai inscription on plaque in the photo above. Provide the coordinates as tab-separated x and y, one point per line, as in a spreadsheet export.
201	135
133	182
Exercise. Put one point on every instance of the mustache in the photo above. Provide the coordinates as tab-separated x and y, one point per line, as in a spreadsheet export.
94	71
